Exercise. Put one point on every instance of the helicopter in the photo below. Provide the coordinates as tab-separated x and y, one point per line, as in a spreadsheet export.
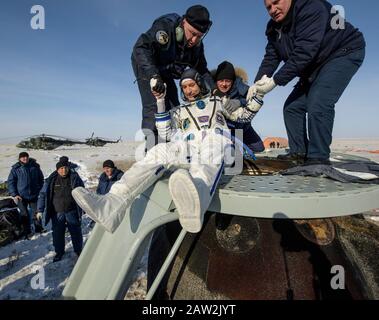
46	142
51	142
99	142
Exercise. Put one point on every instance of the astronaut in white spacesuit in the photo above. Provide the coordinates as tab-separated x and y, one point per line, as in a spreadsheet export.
197	149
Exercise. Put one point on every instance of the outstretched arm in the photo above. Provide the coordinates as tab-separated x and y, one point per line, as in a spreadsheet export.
162	117
235	111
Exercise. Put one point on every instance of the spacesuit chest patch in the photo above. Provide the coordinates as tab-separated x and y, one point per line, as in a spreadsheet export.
162	37
200	104
220	118
203	119
186	124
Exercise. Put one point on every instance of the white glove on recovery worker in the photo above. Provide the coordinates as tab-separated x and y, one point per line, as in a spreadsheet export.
261	87
265	85
161	107
252	92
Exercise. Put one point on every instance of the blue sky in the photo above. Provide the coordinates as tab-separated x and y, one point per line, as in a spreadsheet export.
75	76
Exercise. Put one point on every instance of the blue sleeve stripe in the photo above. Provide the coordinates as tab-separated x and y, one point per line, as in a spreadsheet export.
163	119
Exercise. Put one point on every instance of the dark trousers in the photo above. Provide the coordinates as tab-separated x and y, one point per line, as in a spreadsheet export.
28	208
59	222
249	135
149	104
318	101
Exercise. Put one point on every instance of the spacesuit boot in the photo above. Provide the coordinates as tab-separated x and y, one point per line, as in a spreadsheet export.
191	198
107	210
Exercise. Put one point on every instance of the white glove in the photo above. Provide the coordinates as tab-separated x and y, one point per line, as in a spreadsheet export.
252	92
265	85
255	103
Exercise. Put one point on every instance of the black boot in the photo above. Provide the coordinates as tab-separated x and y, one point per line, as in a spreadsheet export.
299	158
27	232
58	257
316	161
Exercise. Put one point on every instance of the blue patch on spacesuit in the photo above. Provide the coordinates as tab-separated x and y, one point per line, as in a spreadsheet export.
200	104
186	124
191	136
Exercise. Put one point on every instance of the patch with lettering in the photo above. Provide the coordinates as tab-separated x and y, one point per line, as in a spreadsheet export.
162	37
203	119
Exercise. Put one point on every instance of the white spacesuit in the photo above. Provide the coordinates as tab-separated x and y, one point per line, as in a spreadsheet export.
196	148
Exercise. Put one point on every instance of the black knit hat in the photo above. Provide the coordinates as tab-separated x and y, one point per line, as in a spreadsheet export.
225	70
61	164
108	164
63	159
198	17
23	154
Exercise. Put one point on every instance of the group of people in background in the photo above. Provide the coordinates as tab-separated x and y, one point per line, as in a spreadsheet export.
50	199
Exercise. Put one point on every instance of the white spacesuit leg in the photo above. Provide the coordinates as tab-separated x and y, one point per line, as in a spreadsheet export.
109	210
193	191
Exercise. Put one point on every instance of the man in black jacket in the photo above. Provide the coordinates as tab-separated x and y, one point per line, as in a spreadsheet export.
55	197
162	53
24	184
325	52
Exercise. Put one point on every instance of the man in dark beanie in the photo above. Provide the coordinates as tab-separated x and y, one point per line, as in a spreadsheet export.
225	70
24	184
55	198
110	175
234	89
72	166
160	56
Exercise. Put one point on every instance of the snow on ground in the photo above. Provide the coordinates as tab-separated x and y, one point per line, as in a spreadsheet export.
21	261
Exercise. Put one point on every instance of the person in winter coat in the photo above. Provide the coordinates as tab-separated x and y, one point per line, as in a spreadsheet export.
322	49
110	175
24	184
230	83
56	201
163	52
